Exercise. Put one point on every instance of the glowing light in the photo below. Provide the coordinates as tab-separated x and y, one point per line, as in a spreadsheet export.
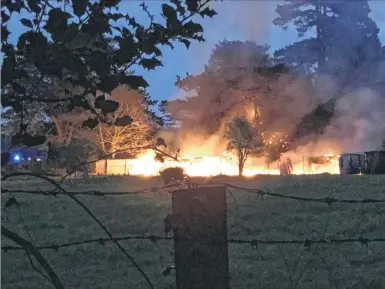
38	159
225	164
16	158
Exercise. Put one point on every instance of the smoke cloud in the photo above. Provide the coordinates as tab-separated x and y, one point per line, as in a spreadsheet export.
358	124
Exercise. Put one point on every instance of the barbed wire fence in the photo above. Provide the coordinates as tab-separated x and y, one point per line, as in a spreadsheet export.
33	250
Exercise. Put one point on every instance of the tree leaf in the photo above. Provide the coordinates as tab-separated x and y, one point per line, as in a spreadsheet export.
193	27
98	100
179	6
108	84
123	121
208	12
4	17
79	7
134	81
115	17
159	158
169	13
57	21
185	42
26	22
90	123
4	33
34	5
108	106
192	5
110	3
150	63
160	142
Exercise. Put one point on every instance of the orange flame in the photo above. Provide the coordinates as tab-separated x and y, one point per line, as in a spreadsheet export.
225	164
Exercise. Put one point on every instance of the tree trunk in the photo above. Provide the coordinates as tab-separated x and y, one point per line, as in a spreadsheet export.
240	164
320	32
240	168
59	131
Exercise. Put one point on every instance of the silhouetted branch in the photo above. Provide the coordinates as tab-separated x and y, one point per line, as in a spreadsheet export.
30	249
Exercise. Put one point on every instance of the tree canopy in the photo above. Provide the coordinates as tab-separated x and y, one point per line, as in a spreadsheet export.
89	48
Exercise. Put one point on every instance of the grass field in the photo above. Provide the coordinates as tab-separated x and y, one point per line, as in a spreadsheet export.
46	220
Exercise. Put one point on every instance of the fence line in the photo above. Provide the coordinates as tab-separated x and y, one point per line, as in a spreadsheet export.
155	238
253	242
86	193
326	200
261	193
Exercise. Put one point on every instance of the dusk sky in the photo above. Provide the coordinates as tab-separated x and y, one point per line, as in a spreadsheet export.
236	20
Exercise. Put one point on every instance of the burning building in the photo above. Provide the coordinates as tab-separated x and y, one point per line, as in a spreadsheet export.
226	164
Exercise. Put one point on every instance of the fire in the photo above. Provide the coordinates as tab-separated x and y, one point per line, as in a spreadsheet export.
196	164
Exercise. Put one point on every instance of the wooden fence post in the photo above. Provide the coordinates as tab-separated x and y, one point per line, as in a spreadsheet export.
200	238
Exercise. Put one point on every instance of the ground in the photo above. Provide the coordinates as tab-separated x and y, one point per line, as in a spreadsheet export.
51	220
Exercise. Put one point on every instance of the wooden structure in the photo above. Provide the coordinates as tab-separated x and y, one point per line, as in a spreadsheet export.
112	167
375	162
352	163
200	238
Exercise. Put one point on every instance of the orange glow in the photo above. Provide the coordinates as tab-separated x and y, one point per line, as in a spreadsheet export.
195	163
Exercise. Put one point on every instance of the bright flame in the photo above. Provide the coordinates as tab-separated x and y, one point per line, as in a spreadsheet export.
196	164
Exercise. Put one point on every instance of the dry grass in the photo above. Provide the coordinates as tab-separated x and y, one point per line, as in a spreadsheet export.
56	220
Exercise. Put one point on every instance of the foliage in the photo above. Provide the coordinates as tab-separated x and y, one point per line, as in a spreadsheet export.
88	45
68	159
243	140
167	117
136	132
69	126
34	121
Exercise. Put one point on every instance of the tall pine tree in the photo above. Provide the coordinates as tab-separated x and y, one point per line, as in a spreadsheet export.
345	45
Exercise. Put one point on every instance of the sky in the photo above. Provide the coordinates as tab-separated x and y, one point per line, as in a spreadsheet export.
236	20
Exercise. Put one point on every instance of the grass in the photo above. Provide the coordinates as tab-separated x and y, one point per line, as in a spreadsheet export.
46	220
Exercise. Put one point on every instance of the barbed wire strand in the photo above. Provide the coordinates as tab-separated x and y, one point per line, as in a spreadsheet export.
88	211
259	192
90	192
253	242
326	200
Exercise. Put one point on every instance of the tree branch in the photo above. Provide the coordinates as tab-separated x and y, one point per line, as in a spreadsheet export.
30	249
